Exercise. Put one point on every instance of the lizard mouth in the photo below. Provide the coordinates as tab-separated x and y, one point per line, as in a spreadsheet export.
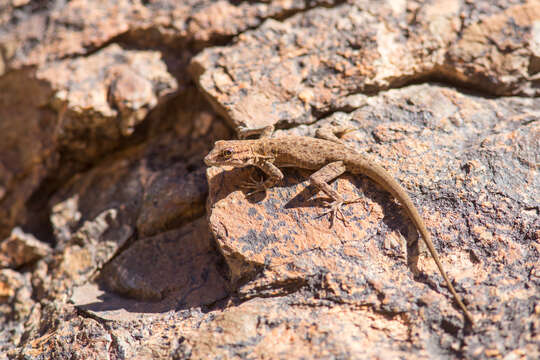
208	161
211	161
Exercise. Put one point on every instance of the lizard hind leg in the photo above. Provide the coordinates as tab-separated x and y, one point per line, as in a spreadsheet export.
320	180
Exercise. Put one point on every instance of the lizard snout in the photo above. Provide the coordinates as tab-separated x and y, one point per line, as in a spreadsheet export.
208	160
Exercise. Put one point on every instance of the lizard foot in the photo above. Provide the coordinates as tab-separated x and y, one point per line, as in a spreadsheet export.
333	132
256	185
335	210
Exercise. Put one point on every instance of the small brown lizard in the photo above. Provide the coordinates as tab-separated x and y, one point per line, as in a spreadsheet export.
331	159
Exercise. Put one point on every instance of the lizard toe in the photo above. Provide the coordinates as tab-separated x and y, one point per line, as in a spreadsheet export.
255	188
256	185
336	212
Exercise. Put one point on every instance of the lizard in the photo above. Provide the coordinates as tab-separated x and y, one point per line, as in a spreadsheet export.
330	158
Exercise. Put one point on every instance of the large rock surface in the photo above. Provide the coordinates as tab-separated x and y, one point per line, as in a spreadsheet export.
117	243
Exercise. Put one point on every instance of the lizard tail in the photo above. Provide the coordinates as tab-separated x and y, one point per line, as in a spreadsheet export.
382	177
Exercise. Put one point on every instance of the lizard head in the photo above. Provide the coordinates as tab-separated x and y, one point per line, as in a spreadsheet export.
230	153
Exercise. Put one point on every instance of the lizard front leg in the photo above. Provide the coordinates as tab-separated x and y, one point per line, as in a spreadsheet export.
274	175
320	179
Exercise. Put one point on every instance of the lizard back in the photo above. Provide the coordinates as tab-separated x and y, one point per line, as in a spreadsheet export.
305	152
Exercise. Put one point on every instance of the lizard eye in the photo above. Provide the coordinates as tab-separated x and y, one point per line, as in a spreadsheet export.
227	153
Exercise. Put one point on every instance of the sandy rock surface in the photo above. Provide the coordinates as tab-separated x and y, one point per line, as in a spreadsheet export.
116	241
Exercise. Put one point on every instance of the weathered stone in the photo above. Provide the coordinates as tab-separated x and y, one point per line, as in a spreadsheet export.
98	99
180	264
64	30
278	328
165	207
16	305
71	336
176	270
117	86
21	248
281	244
27	139
102	133
497	57
290	72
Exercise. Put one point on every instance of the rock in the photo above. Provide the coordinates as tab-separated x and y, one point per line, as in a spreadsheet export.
108	108
505	61
20	249
176	270
164	207
282	244
299	69
128	84
16	307
27	132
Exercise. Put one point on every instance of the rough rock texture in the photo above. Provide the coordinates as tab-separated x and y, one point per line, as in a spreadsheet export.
292	72
20	249
120	244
